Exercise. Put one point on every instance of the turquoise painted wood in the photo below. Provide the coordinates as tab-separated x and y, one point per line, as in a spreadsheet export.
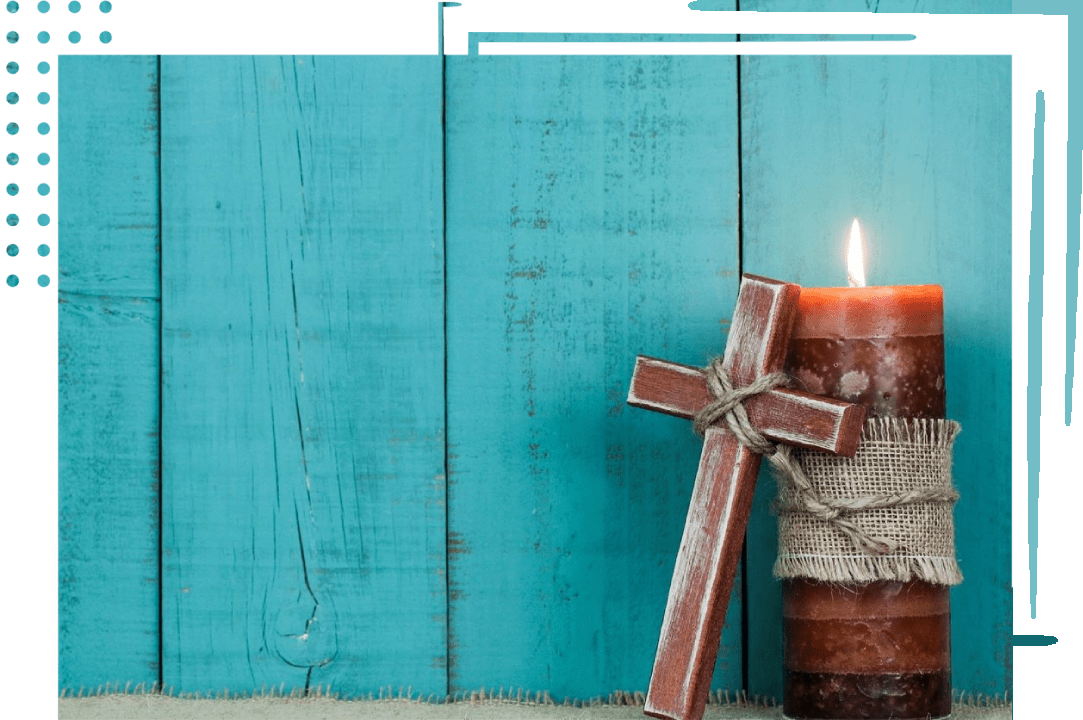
591	216
308	534
303	402
919	150
108	370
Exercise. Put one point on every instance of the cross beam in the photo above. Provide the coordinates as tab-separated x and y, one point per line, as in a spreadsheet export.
783	415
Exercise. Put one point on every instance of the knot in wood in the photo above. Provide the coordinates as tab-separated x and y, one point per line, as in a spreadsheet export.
728	406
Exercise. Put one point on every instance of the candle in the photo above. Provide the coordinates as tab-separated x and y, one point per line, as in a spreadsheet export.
881	347
882	649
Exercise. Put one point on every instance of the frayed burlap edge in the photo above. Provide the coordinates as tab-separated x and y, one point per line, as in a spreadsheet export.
519	697
856	566
619	698
864	569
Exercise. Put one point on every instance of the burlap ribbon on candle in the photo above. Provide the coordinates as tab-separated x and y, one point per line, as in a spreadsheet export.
897	489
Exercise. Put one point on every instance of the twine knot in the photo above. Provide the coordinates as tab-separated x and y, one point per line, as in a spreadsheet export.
728	405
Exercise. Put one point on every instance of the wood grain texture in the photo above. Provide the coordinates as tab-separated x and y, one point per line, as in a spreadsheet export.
108	370
702	578
591	217
718	514
303	462
783	415
918	148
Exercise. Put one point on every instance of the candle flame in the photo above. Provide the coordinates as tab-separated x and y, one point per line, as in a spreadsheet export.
855	263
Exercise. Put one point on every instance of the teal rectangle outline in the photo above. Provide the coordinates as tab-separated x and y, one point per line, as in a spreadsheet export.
1039	47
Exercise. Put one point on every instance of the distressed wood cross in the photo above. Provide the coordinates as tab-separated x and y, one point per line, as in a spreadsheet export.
725	482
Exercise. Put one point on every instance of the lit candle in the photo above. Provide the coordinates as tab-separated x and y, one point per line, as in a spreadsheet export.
881	347
881	649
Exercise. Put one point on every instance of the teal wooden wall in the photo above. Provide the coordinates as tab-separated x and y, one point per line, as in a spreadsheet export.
344	346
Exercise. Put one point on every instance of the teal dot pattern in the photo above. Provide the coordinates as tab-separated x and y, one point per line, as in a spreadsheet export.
37	31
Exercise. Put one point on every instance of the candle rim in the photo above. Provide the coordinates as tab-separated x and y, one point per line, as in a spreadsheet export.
929	286
877	311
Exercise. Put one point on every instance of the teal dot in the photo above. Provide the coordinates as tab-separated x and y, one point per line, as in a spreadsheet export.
43	67
74	6
43	37
43	6
43	98
13	280
13	67
13	220
43	280
106	6
13	6
13	37
13	128
13	159
43	219
13	189
13	250
43	189
12	98
43	250
43	159
74	36
43	128
106	37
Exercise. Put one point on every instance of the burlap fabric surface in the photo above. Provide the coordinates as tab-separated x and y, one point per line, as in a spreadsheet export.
904	464
157	707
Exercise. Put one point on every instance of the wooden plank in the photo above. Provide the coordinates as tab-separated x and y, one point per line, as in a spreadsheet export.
303	400
714	530
108	361
918	148
783	415
591	217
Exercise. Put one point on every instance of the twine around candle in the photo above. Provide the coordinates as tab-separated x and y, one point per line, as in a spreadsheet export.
728	406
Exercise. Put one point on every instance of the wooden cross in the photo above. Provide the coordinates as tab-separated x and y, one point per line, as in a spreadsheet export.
726	481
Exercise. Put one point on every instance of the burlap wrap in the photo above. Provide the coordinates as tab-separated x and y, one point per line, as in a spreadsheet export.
897	458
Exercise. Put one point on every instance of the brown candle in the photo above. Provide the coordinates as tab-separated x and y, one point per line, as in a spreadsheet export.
882	649
881	347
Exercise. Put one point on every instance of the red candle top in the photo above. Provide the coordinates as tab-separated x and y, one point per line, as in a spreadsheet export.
871	312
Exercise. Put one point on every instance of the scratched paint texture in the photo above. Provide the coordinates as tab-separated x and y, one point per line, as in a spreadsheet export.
591	216
919	149
302	396
107	349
